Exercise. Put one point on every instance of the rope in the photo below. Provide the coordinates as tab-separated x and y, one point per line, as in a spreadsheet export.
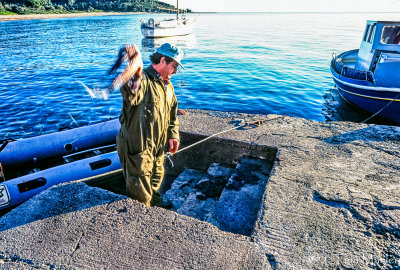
4	143
384	107
256	123
73	119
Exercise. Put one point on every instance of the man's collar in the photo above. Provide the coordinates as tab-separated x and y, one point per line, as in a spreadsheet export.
155	75
152	72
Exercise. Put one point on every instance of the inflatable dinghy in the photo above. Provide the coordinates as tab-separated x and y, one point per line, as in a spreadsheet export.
16	191
36	150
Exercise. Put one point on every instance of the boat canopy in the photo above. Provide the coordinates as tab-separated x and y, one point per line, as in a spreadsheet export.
168	23
379	36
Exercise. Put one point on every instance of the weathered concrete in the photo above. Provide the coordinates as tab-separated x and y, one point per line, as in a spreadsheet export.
237	208
119	234
181	188
57	201
204	195
332	202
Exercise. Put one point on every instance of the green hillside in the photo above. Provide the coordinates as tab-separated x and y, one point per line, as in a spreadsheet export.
70	6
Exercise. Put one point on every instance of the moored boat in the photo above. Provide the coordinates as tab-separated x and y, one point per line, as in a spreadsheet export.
179	26
16	191
36	150
168	27
369	77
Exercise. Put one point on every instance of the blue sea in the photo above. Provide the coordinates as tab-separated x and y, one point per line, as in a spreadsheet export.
267	63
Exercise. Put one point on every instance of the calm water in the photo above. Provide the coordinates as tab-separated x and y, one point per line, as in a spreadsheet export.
255	63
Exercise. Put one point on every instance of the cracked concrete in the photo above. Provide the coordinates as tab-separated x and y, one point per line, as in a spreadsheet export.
332	202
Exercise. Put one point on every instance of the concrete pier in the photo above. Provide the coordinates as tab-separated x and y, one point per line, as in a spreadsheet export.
332	201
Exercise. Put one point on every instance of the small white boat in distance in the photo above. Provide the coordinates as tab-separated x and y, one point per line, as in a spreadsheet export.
168	27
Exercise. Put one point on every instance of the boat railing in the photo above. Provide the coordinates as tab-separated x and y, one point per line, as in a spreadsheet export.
388	59
335	64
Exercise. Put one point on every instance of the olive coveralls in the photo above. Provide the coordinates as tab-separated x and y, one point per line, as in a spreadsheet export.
148	120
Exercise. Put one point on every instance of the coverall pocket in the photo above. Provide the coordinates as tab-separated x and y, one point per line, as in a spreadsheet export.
150	111
140	164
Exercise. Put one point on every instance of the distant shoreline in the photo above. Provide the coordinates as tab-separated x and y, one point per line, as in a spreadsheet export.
66	15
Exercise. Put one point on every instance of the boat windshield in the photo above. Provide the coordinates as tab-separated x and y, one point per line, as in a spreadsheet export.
391	34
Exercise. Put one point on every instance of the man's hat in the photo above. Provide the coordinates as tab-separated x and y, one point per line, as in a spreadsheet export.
171	51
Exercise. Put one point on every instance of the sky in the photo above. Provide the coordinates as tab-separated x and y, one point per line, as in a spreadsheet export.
288	5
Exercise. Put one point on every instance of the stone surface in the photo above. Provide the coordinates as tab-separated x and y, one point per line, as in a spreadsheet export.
120	234
181	188
237	208
57	201
201	201
332	202
321	207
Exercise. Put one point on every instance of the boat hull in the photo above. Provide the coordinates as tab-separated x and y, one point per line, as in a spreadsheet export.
18	190
180	29
370	97
39	149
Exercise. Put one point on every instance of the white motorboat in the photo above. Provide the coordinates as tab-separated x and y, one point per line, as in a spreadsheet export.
180	26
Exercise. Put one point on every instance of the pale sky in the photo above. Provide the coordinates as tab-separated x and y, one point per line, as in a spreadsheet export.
289	5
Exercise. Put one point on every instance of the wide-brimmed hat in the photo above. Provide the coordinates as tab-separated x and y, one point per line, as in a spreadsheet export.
171	51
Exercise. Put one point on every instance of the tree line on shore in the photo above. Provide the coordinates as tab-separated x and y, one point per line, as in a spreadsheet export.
70	6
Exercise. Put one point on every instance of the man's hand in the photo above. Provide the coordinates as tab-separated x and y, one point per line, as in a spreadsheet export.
173	145
133	70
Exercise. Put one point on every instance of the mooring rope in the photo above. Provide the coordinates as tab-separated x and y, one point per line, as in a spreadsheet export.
384	107
256	123
4	143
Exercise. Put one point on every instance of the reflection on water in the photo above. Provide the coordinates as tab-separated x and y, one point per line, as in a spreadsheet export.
338	109
238	65
151	44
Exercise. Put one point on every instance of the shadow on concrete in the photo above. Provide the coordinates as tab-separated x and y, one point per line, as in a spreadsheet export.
58	200
371	133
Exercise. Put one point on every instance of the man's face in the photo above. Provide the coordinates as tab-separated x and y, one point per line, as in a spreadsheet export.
166	70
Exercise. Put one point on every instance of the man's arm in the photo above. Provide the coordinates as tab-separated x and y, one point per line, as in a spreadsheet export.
133	91
131	80
173	129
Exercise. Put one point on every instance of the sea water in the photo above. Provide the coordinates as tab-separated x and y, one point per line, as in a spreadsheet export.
267	63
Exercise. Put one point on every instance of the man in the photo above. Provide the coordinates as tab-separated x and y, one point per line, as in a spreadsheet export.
148	120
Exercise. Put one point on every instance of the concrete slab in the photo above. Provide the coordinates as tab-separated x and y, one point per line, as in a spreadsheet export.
332	202
121	234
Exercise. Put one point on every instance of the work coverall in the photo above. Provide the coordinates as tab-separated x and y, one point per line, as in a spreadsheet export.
148	120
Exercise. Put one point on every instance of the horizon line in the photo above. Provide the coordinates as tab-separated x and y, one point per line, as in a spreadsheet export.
295	11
